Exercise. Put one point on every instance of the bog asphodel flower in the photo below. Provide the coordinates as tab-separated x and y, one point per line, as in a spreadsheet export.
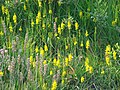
114	55
3	9
1	73
54	85
14	18
69	24
70	57
25	7
86	33
45	47
11	28
32	23
76	25
82	79
59	29
80	14
62	25
41	51
87	44
36	49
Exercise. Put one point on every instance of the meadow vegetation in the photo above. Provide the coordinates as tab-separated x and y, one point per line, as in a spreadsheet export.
59	44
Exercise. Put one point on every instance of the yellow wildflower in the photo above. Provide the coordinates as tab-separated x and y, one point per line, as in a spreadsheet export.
3	9
107	58
31	59
64	73
1	33
32	23
69	24
54	61
59	29
114	55
51	72
107	50
44	62
76	25
86	33
66	61
34	64
66	47
36	49
37	20
81	44
6	11
15	18
70	57
39	3
58	63
24	7
87	67
86	61
45	47
43	25
62	25
102	72
54	85
87	44
41	51
63	81
1	73
20	29
50	11
11	28
82	79
90	69
81	14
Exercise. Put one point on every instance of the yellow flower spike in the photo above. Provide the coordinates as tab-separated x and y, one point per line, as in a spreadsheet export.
20	29
63	81
14	18
39	3
51	72
87	67
44	62
80	14
86	61
90	69
3	9
82	79
54	61
39	15
76	25
25	7
58	63
66	47
41	51
70	57
102	72
11	28
32	23
62	25
66	61
86	33
6	11
1	73
36	49
87	44
54	85
69	24
107	58
34	64
59	29
64	73
107	50
43	25
1	33
31	60
114	55
81	44
45	47
37	20
75	42
50	11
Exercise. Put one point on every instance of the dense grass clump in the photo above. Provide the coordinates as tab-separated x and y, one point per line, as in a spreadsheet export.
59	44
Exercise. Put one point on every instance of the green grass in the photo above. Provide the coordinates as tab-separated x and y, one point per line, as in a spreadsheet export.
45	50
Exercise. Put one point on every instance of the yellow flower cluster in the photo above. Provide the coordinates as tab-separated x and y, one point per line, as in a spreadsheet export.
54	85
14	18
87	66
107	53
87	44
